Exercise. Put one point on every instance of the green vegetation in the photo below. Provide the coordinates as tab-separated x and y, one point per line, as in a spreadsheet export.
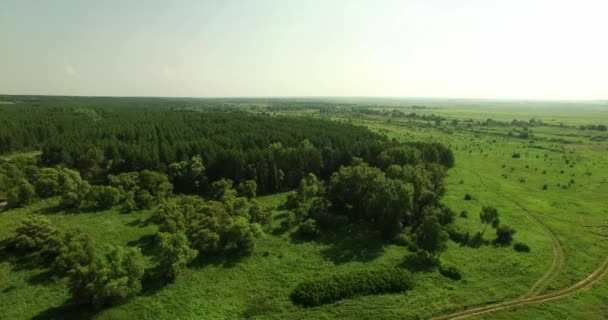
327	290
103	225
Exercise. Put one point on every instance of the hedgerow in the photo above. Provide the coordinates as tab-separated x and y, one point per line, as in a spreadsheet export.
330	289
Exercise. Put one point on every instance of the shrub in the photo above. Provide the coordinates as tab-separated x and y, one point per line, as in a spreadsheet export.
21	194
464	214
74	248
247	189
516	155
105	197
175	253
260	214
450	272
468	197
521	247
33	234
459	237
330	289
504	235
143	199
107	279
309	228
402	240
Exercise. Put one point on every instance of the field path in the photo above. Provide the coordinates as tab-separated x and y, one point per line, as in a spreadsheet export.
559	257
534	295
580	286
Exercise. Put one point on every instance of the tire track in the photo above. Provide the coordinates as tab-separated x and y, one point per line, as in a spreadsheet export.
534	296
559	257
580	286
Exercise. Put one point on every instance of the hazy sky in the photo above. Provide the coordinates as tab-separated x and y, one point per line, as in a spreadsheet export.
428	48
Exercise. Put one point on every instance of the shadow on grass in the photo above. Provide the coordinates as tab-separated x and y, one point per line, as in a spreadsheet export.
67	311
147	244
153	281
5	254
351	242
226	259
60	209
43	278
418	263
142	223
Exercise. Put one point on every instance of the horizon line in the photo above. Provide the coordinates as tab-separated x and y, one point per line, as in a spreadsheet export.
604	100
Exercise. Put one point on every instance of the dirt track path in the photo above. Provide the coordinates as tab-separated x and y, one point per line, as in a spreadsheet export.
580	286
559	257
534	295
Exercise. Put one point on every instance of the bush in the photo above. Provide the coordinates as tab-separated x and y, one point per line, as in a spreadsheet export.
247	189
516	155
468	197
504	235
459	237
174	253
464	214
309	228
74	248
107	279
402	240
450	272
521	247
105	197
33	234
330	289
21	194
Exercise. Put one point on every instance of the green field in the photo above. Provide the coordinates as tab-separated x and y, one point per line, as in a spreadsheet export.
565	224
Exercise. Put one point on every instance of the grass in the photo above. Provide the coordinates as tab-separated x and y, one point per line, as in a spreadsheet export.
258	286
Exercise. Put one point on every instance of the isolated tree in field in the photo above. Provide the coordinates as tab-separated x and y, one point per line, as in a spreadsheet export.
174	253
504	235
489	216
431	237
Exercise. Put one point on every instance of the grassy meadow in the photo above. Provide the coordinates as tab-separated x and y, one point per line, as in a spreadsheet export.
558	183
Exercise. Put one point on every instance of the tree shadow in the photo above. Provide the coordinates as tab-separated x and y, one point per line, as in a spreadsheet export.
141	223
352	242
67	311
5	254
226	259
419	263
147	244
153	281
59	209
43	278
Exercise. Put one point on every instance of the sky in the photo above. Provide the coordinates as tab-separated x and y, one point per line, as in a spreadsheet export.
509	49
